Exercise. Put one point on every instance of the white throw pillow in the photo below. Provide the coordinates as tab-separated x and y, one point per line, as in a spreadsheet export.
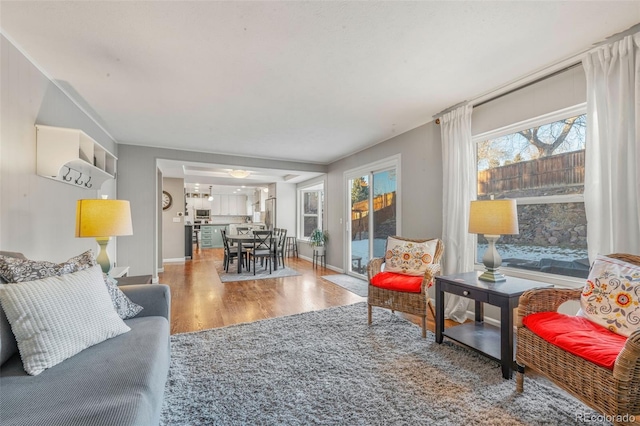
408	257
611	296
57	317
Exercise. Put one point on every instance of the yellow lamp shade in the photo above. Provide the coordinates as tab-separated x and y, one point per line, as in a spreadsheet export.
493	217
103	218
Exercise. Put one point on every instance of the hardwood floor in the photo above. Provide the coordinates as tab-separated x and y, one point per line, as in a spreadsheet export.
199	300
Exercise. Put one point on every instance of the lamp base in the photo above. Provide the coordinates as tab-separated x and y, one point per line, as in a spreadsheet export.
492	262
493	276
103	256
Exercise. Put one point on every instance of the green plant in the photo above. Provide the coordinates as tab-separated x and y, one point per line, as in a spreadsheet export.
318	237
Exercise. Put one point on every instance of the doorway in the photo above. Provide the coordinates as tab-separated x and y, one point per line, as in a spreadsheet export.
373	213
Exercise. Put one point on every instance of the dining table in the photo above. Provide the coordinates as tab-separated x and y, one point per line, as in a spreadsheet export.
241	239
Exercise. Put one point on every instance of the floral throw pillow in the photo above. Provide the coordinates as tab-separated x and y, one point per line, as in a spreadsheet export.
16	270
611	296
407	257
124	306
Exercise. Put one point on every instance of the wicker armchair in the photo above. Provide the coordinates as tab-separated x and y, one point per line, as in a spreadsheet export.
410	303
613	393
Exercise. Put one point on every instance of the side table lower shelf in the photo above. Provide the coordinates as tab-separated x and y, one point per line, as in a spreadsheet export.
477	336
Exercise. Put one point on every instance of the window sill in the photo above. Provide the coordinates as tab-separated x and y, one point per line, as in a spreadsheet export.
556	280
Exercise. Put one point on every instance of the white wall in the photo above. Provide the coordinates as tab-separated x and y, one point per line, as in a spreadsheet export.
173	232
37	215
286	207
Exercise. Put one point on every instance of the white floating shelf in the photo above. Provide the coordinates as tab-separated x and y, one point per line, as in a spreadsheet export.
71	156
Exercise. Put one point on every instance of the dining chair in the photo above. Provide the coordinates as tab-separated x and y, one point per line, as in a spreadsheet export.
262	248
230	254
243	230
281	246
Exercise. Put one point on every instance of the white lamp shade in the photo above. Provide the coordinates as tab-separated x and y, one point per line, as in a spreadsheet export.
493	217
103	218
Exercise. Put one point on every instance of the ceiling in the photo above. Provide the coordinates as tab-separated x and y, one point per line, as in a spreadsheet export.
200	176
309	82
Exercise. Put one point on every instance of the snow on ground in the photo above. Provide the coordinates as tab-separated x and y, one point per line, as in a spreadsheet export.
513	251
507	251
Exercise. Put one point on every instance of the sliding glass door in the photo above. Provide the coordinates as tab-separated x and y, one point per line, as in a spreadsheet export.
372	215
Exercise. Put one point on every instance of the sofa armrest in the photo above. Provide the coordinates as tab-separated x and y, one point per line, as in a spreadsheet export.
154	298
544	300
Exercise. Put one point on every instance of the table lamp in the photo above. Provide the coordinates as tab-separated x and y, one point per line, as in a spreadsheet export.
493	218
103	219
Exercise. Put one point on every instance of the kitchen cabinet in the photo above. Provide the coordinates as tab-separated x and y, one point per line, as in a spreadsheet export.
224	204
215	205
210	236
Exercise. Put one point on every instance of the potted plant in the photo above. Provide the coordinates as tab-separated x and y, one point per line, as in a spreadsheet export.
317	239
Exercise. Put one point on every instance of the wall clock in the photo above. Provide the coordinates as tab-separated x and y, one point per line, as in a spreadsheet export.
167	200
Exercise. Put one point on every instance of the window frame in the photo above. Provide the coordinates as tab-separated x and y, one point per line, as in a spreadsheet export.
318	188
559	280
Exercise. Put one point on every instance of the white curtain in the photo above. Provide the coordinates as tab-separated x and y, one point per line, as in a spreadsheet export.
612	163
458	158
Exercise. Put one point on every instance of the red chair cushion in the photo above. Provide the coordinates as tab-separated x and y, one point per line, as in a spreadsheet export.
578	336
397	282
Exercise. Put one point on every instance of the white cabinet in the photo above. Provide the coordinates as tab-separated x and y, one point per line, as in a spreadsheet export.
215	205
241	205
71	156
224	205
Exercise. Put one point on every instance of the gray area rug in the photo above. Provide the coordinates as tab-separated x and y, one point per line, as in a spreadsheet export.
353	284
329	368
245	275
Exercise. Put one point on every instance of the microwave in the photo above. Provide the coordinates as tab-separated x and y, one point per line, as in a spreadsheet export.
203	213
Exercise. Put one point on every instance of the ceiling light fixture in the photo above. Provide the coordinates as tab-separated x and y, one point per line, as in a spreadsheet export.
239	174
210	194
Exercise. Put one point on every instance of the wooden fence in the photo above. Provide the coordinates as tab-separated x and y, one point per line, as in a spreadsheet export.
557	170
384	207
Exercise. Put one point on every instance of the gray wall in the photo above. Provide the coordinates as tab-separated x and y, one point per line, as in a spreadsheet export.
553	94
421	198
137	178
37	215
173	232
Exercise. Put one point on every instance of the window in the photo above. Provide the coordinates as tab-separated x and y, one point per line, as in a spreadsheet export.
539	163
311	210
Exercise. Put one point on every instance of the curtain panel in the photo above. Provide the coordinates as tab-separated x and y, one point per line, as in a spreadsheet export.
612	157
459	184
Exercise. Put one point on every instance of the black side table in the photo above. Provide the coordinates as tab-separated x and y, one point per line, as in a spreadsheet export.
496	343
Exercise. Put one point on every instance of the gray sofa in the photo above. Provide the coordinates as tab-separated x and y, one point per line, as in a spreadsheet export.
117	382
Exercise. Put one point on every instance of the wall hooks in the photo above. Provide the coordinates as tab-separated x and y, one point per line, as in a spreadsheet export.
87	184
78	181
66	177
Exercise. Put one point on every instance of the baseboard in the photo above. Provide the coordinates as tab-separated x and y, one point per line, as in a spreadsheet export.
333	268
174	260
